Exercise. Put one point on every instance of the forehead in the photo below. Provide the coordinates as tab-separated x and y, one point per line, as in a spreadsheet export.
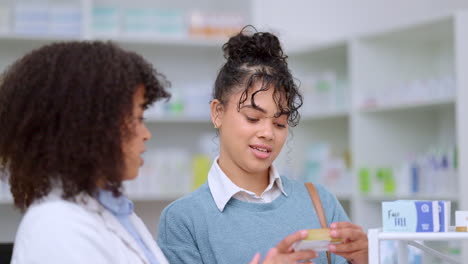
139	95
261	95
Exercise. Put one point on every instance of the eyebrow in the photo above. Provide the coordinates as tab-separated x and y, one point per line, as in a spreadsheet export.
258	108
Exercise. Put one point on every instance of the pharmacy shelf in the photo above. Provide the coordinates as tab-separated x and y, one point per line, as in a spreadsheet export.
408	238
380	198
39	38
131	40
169	41
429	104
393	76
317	48
325	115
425	31
423	236
178	120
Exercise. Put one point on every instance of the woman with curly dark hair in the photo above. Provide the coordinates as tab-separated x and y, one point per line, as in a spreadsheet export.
245	206
71	132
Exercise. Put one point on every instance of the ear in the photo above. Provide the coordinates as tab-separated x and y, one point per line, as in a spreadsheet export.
217	109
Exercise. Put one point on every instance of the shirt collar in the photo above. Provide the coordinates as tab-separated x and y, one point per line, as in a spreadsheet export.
223	189
119	206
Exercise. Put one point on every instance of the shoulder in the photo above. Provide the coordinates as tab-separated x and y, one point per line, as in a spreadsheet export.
193	202
56	216
58	228
53	211
298	188
323	191
326	197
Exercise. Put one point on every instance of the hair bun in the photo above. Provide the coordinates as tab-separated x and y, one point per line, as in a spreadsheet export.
259	46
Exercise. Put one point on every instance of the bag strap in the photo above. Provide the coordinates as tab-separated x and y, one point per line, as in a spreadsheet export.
318	208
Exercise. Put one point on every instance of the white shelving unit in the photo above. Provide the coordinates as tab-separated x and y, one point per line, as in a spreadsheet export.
394	115
322	72
395	107
411	239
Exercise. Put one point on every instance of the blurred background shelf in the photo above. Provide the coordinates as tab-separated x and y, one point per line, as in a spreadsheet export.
425	105
177	120
325	115
380	198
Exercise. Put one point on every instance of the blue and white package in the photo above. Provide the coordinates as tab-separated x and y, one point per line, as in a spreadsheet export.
410	216
444	215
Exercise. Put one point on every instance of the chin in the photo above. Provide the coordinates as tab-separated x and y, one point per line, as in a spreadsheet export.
259	165
130	176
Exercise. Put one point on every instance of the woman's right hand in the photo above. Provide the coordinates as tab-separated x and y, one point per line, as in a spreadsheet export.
283	253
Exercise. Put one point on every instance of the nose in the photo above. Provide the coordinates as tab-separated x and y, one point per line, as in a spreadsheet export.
146	133
266	130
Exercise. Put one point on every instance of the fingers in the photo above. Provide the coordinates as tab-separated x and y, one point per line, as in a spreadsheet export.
349	235
339	225
302	255
285	245
347	231
272	254
255	259
354	238
274	257
348	247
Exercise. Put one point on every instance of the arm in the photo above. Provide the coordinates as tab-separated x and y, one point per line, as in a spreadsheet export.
175	237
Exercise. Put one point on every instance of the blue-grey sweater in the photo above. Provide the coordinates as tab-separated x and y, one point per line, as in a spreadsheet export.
193	230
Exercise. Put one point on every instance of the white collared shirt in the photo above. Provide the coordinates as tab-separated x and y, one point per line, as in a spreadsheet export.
223	189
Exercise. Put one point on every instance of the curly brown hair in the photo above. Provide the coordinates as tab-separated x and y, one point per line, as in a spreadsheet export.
63	115
254	57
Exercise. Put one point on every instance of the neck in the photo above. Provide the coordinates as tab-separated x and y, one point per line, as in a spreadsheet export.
255	182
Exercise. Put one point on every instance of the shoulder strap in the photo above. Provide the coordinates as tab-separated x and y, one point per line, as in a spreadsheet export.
318	208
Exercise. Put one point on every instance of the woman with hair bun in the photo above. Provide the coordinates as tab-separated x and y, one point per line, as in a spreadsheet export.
246	206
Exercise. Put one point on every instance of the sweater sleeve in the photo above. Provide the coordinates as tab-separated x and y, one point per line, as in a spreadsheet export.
176	237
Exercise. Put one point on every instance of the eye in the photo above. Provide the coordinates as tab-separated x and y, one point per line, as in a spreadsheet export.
251	119
279	125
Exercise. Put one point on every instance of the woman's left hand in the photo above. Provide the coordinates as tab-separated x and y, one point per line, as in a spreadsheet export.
354	246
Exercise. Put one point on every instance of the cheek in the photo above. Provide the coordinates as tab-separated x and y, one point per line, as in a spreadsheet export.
282	135
237	126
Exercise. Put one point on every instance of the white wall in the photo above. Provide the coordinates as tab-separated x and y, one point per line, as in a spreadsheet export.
299	21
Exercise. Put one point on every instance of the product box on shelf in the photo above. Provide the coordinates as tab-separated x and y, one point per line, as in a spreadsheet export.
410	216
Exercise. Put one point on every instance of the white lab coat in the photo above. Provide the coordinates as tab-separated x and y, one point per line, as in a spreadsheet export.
56	231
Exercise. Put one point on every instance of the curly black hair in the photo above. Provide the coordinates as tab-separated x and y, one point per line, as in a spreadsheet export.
254	58
64	112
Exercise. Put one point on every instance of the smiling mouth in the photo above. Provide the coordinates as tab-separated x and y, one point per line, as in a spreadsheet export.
261	149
